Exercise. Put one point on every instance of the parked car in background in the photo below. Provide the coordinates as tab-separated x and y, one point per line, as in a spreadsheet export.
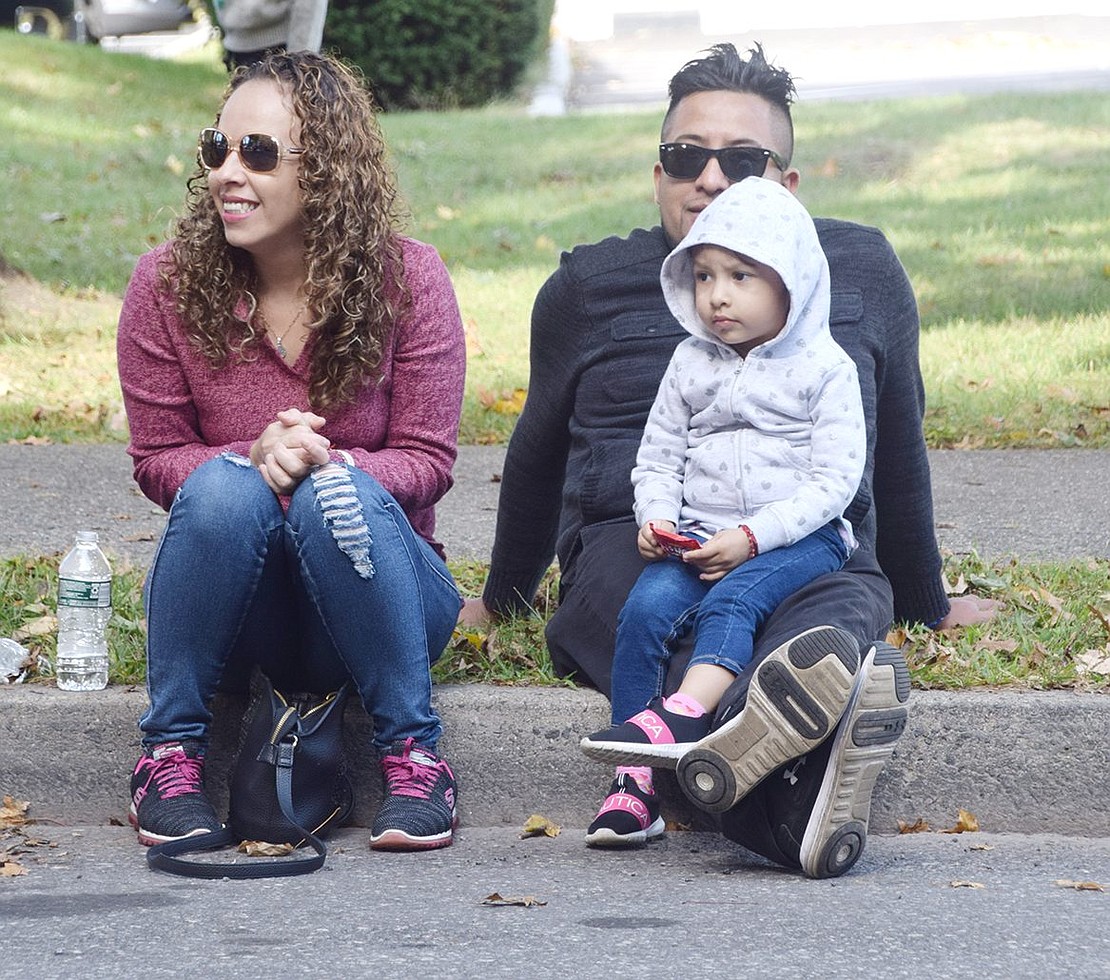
91	20
112	18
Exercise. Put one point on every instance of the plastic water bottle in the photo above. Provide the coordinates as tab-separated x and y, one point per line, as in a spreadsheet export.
84	608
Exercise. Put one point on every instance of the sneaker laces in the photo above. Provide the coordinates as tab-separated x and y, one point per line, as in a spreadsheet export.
175	774
406	776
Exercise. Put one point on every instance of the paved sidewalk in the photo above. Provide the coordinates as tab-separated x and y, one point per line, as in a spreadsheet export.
1029	503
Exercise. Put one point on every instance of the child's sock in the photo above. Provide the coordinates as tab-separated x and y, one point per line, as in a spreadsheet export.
683	704
642	775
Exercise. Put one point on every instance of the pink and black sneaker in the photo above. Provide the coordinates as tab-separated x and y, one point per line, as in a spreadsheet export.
628	817
419	811
653	737
167	794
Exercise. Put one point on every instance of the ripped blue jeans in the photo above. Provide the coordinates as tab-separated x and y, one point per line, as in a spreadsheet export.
337	586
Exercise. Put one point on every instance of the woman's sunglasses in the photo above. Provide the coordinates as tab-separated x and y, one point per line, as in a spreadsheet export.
685	161
258	152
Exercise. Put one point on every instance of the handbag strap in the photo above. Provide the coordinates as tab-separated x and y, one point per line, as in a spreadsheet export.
167	856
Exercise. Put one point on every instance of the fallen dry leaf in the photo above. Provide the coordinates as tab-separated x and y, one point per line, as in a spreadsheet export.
1102	615
498	900
260	848
1055	604
1037	655
896	637
919	826
538	825
970	441
510	403
11	869
957	588
966	884
966	822
42	626
13	812
981	847
1079	886
997	646
466	637
16	840
1094	662
987	583
513	404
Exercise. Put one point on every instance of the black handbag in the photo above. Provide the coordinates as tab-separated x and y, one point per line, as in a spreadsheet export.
289	786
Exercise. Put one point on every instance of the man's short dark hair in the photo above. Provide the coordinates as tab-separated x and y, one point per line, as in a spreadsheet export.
723	70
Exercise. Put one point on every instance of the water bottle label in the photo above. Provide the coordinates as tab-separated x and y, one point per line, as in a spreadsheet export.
85	595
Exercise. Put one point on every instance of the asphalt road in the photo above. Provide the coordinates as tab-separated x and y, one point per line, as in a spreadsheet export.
925	905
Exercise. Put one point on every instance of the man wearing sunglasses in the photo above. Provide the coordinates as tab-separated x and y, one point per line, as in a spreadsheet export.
601	338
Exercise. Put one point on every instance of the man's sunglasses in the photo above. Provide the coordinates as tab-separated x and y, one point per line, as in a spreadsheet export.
257	151
685	161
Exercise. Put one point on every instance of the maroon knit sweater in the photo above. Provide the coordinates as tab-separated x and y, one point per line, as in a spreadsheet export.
402	431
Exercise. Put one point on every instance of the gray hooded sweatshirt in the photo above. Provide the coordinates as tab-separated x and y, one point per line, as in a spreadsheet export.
775	440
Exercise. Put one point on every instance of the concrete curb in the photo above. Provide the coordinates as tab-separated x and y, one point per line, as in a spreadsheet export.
1029	763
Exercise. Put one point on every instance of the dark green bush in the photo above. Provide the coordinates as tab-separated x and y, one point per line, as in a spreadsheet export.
432	54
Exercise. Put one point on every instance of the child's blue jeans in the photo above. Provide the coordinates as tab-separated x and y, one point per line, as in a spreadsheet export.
669	599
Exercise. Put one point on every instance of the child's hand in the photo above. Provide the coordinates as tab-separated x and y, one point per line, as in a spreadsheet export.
648	547
726	550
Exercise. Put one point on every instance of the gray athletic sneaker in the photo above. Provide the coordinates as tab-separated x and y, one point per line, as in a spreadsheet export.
874	720
812	814
792	705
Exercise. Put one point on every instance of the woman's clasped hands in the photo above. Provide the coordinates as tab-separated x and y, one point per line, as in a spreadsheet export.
289	448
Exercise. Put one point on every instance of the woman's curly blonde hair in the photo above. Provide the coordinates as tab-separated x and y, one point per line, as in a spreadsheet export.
353	256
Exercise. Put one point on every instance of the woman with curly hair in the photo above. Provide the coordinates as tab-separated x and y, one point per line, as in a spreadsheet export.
292	369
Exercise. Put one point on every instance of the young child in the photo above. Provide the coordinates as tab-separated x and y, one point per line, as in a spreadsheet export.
755	446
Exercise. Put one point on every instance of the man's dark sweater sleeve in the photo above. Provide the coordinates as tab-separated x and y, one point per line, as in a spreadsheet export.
906	539
535	463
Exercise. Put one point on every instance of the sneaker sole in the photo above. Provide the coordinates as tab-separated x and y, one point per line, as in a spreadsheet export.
873	721
147	839
397	840
663	756
793	703
604	837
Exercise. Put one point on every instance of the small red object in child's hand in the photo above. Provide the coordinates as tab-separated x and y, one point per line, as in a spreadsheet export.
674	544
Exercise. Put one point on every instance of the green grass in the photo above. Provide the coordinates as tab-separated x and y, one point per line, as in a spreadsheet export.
998	205
1054	614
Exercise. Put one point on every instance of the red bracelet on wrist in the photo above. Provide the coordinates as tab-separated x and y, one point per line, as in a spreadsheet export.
753	545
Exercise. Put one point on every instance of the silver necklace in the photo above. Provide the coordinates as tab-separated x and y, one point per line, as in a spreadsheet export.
279	340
